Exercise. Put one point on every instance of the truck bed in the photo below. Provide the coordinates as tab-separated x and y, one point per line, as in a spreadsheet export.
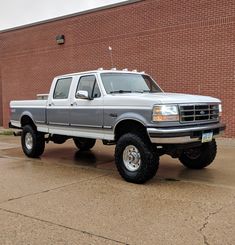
36	109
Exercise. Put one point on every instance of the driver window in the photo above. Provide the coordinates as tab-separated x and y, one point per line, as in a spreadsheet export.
89	84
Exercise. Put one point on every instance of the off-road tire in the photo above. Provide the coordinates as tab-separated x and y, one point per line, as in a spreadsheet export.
38	142
149	158
84	144
205	158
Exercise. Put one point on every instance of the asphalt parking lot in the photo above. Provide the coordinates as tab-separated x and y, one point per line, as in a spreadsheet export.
73	197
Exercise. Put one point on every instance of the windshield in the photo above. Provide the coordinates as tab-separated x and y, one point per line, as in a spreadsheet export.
128	83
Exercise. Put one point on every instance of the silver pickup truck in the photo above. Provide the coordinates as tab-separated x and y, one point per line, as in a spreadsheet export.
125	108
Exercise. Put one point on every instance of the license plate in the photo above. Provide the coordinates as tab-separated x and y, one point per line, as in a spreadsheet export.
207	137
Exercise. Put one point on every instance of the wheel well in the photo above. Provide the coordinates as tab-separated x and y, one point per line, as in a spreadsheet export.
26	120
128	126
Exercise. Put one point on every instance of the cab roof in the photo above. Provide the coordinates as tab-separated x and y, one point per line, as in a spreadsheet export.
100	71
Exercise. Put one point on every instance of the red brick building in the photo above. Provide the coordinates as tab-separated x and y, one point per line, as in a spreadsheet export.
188	46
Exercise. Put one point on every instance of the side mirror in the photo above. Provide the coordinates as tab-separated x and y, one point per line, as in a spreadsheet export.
82	94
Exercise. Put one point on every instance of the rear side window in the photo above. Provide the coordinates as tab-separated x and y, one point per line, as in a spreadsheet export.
62	88
89	84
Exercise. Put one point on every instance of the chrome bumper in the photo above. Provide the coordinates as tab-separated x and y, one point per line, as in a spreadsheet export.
184	134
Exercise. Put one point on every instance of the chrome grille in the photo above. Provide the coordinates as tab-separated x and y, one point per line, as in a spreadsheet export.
199	112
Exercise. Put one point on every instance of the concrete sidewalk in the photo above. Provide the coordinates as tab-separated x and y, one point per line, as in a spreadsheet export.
73	197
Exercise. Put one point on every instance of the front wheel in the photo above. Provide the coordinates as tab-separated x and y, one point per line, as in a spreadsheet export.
135	159
33	142
199	157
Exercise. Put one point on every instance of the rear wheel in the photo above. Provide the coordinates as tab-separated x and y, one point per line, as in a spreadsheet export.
84	144
135	159
199	157
33	142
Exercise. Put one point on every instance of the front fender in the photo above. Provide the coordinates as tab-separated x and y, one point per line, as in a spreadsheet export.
130	116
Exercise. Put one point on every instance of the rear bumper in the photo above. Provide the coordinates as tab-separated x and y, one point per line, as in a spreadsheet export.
186	134
10	125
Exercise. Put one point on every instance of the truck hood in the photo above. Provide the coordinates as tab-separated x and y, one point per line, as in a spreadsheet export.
150	99
165	98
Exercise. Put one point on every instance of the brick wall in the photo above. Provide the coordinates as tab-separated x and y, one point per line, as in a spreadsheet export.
1	119
188	46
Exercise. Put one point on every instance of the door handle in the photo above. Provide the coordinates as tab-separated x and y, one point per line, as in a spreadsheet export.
74	103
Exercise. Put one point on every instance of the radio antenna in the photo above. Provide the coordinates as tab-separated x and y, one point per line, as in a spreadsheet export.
111	55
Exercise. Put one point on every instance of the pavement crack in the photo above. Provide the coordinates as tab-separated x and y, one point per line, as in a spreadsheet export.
206	222
63	226
52	189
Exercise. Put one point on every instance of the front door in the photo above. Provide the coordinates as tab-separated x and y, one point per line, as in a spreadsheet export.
87	114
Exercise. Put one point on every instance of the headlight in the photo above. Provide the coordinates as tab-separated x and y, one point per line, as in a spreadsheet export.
165	113
220	110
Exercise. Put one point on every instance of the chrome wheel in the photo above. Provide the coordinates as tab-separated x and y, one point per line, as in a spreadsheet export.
29	141
131	158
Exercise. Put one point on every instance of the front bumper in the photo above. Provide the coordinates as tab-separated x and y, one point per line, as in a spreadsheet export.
185	134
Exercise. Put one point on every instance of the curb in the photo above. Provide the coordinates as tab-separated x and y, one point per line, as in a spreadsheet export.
6	131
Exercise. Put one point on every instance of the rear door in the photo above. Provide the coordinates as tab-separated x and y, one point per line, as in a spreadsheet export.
58	108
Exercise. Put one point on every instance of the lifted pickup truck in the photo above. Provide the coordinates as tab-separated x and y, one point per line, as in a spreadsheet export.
127	109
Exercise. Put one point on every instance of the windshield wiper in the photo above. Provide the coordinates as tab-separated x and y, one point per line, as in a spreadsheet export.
132	91
152	91
120	91
141	91
138	91
147	91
